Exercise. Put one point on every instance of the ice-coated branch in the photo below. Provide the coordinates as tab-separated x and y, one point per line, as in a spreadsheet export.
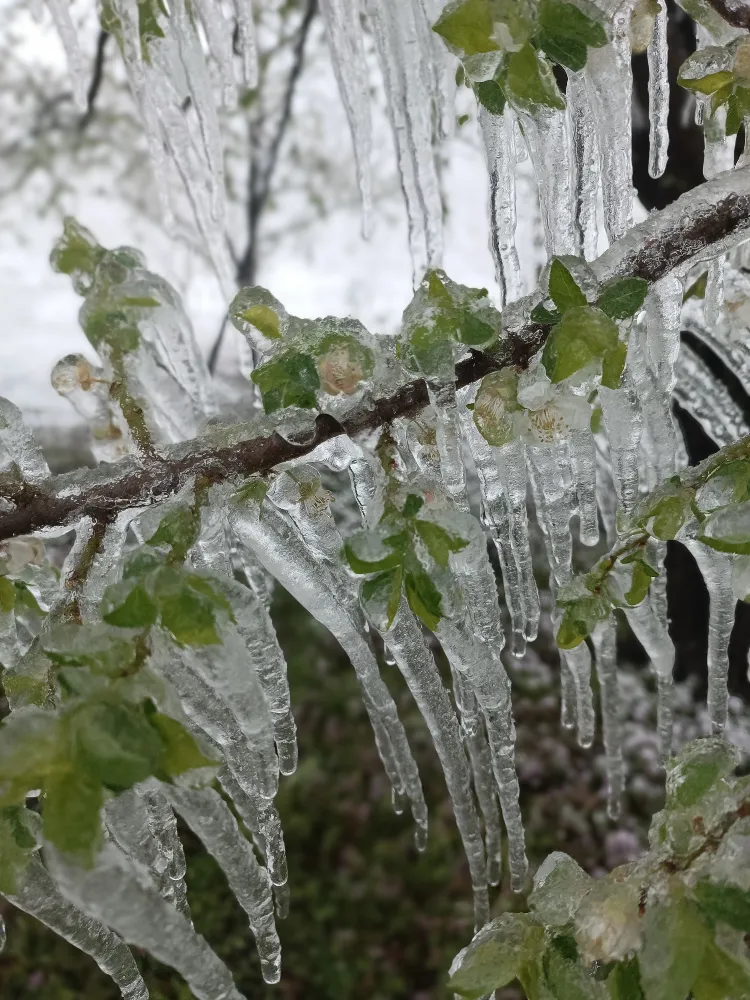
735	12
707	220
97	77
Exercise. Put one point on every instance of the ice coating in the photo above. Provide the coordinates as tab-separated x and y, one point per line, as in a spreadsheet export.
605	659
86	387
20	455
548	140
586	164
497	135
658	95
60	11
40	897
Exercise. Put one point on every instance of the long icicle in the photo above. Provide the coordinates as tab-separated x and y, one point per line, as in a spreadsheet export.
605	658
497	134
586	162
658	95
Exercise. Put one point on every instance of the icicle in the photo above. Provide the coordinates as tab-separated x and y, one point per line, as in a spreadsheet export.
442	393
586	162
261	818
658	95
548	140
501	164
248	42
418	667
623	421
219	35
40	897
19	452
605	487
3	935
583	462
163	826
285	555
368	482
718	154
211	820
605	657
511	463
609	80
714	300
472	729
113	893
60	11
87	389
105	566
651	631
344	30
707	399
127	819
405	62
716	570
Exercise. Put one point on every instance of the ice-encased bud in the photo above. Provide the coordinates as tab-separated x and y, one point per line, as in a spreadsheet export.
259	317
77	253
497	408
86	387
607	921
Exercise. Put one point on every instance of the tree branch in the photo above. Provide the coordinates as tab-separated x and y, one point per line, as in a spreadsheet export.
734	12
706	221
97	77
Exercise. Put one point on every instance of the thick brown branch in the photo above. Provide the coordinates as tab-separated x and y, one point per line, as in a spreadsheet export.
706	220
734	12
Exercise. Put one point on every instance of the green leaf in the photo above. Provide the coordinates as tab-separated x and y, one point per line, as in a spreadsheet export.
707	84
128	606
494	958
643	574
674	942
383	592
413	505
264	319
71	814
530	82
7	594
567	33
583	335
559	886
624	981
467	27
698	288
622	297
728	529
355	551
181	752
699	765
565	49
179	530
16	844
580	618
540	314
613	365
490	95
102	650
423	597
664	517
113	743
569	980
190	616
721	976
289	379
563	289
439	542
726	903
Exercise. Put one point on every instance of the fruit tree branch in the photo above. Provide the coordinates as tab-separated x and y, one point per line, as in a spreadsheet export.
708	220
734	12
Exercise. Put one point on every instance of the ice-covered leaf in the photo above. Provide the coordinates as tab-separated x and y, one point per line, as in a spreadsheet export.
439	542
613	365
490	95
547	317
467	27
494	957
412	505
622	297
77	254
7	594
565	977
559	886
259	316
708	84
181	753
288	379
580	618
583	335
101	649
728	529
726	903
643	574
674	943
72	813
128	605
367	552
624	982
666	513
563	289
178	530
696	770
113	743
422	594
566	33
721	976
529	81
381	596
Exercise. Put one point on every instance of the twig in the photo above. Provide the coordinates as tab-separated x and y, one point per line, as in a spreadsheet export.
705	220
96	80
734	12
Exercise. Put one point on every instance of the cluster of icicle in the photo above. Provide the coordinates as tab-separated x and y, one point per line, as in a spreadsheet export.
235	696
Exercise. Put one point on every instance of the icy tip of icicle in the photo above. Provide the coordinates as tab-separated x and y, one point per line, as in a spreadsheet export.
259	317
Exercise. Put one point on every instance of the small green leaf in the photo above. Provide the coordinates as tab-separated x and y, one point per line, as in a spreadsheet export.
569	980
128	606
643	574
559	886
439	542
563	289
423	597
699	765
289	379
583	335
383	592
613	365
7	594
490	95
179	530
721	976
181	752
707	84
494	958
530	82
354	553
728	529
71	814
467	27
580	618
624	981
698	288
547	317
622	297
413	505
667	514
674	942
264	319
567	50
726	903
